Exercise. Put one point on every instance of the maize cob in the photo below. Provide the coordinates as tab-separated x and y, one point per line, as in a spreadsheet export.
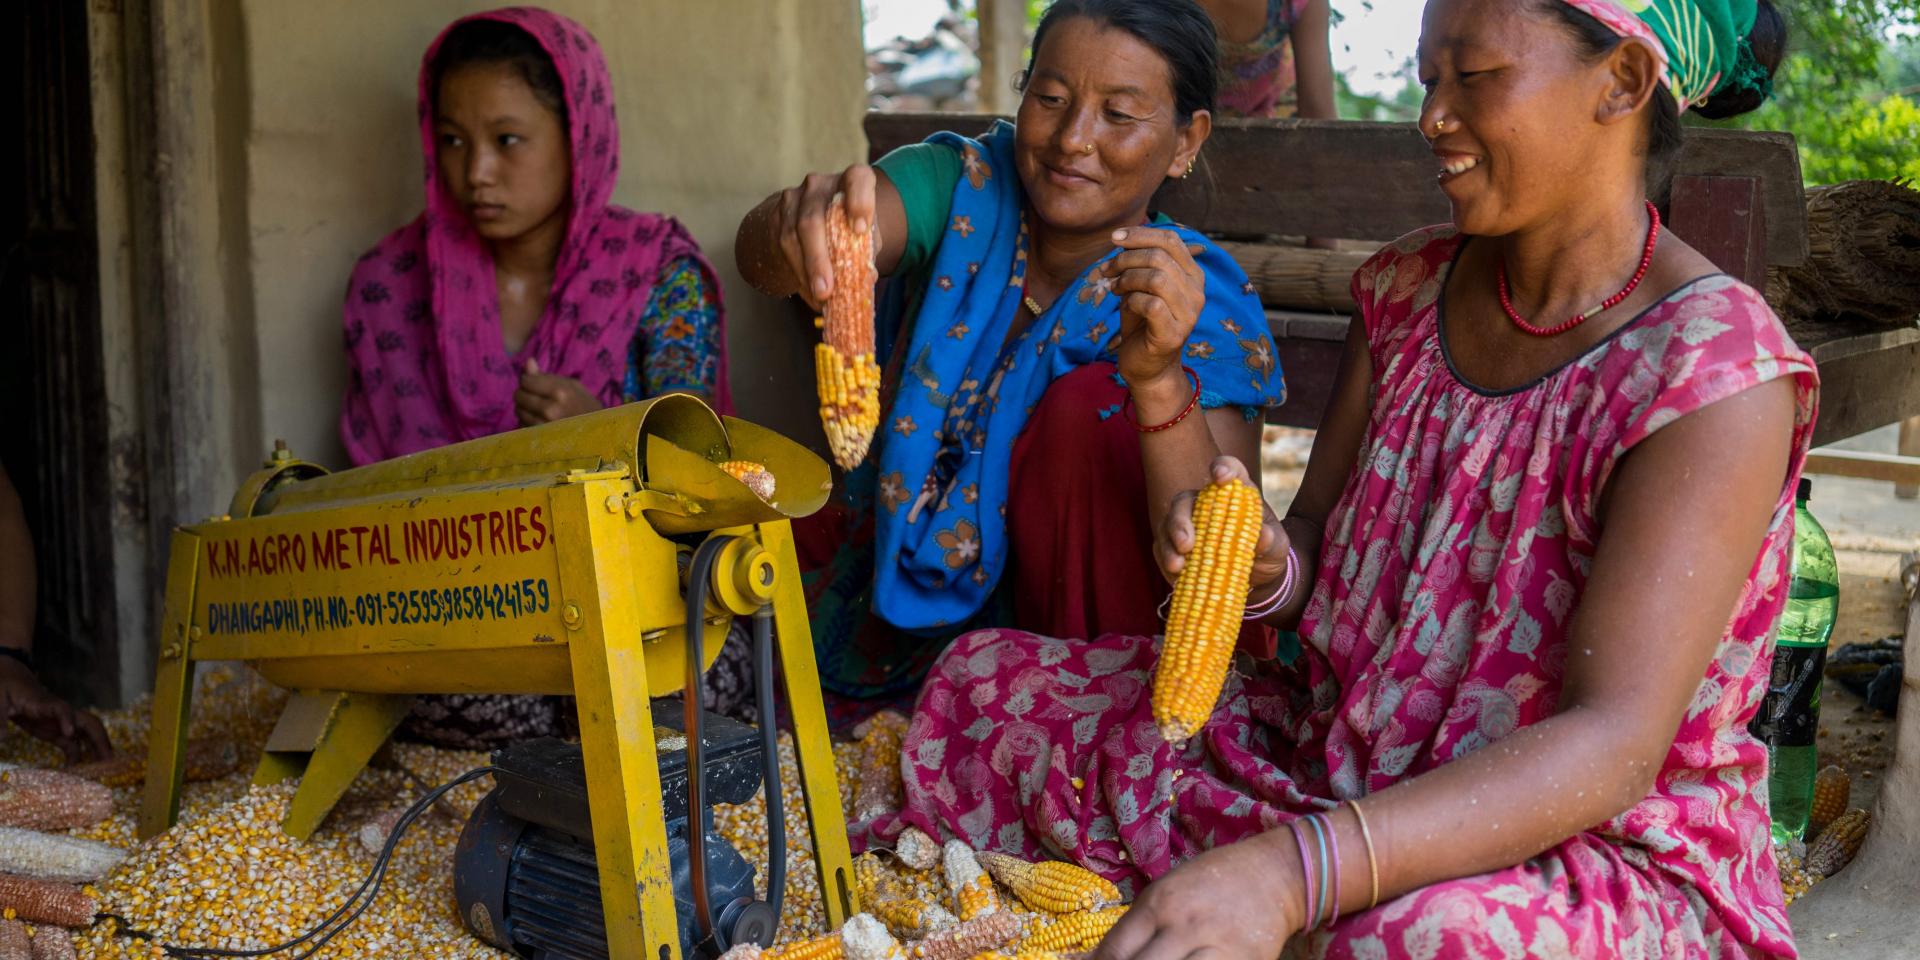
1837	844
908	916
973	892
1204	620
14	942
44	901
51	800
916	849
1071	932
757	477
52	944
49	856
1053	886
848	378
970	938
206	759
818	948
1831	790
881	790
864	938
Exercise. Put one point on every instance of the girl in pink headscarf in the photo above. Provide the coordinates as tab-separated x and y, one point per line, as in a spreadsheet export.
521	294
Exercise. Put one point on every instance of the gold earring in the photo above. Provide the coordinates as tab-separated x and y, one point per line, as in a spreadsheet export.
1189	172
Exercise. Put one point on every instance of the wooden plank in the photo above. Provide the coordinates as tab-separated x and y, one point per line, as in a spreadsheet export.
1724	219
1866	382
1863	465
1375	181
1003	51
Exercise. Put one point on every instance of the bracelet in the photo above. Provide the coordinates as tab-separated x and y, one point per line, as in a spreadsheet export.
1282	595
1192	402
1310	909
1333	893
1373	866
24	656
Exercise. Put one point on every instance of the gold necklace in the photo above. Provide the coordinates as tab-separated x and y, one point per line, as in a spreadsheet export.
1033	306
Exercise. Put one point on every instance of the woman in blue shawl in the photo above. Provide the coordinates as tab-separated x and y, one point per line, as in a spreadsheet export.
1064	364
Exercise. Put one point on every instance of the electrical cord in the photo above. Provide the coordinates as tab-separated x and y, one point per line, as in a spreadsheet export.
338	921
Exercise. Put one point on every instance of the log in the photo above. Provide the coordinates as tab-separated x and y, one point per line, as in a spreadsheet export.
1299	278
1863	256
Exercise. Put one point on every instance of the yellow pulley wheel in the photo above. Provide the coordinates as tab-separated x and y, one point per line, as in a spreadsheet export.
743	577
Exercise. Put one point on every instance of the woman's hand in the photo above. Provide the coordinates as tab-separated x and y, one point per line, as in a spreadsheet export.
1237	902
1175	538
28	703
546	397
801	224
1163	290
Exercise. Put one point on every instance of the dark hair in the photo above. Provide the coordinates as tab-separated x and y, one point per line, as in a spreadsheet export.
1178	30
1768	41
494	42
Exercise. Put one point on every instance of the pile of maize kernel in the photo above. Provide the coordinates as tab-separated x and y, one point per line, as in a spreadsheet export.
226	876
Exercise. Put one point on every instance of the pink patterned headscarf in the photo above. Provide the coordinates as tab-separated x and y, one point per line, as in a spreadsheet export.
422	317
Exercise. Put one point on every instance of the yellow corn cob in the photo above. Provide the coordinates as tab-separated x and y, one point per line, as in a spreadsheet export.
1831	790
1838	843
973	892
207	759
48	856
865	938
1071	933
881	790
43	901
1208	599
756	476
818	948
51	800
14	942
916	849
1053	886
848	378
971	937
909	917
51	944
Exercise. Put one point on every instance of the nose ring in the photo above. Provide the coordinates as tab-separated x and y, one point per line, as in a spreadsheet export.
1089	149
1439	126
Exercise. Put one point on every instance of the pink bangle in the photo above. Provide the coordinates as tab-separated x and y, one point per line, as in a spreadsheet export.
1281	594
1333	843
1310	908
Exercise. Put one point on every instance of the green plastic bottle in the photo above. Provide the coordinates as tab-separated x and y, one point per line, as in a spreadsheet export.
1789	718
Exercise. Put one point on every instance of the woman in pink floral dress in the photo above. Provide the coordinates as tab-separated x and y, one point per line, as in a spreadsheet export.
1546	543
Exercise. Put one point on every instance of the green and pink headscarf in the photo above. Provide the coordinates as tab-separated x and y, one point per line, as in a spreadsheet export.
1702	43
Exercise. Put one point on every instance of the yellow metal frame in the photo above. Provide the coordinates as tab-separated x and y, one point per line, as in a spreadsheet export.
534	562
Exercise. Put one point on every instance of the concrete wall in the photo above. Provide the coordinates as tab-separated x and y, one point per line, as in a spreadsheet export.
720	102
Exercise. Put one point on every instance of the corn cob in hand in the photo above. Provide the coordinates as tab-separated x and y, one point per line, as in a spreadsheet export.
51	800
848	377
1203	623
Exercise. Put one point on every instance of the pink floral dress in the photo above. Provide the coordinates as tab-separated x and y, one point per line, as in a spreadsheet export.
1438	625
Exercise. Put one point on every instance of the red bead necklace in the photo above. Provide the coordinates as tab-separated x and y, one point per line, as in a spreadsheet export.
1646	259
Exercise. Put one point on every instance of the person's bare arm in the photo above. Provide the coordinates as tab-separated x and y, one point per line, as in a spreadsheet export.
781	247
23	698
1688	510
1313	62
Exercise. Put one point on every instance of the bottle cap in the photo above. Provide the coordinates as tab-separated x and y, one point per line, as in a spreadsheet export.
1806	489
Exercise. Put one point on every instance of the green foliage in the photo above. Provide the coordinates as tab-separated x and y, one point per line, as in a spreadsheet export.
1846	94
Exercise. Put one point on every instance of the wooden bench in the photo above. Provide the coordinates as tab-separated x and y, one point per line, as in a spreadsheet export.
1736	198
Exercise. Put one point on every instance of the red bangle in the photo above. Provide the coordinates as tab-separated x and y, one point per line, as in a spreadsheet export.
1192	402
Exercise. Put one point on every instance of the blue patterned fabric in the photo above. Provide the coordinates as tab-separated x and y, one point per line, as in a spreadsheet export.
945	459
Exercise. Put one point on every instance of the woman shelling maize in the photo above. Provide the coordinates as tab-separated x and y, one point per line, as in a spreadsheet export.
1022	365
1535	558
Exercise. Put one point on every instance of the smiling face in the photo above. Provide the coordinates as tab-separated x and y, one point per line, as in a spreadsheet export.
502	154
1519	108
1094	86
